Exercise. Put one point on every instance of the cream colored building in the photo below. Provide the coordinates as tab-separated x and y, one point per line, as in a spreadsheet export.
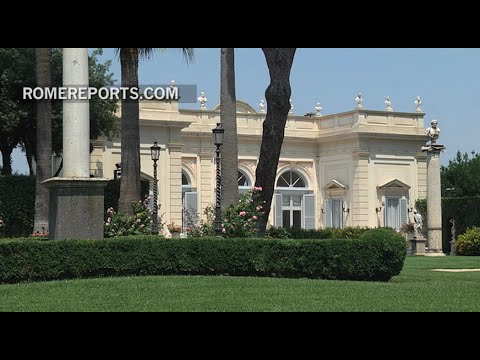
356	168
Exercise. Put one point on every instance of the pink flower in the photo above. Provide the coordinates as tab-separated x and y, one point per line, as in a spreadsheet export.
188	229
257	188
259	207
224	231
242	213
254	217
232	227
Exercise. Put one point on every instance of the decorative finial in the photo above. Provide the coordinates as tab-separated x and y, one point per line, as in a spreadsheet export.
318	109
418	102
291	107
262	106
203	101
388	103
359	101
172	84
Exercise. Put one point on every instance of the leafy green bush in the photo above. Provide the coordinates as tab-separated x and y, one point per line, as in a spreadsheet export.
139	223
371	258
17	204
240	220
326	233
469	243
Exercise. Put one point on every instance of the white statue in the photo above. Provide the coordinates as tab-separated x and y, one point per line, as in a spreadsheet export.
262	106
318	109
418	102
172	84
291	107
359	101
203	101
418	226
388	104
433	132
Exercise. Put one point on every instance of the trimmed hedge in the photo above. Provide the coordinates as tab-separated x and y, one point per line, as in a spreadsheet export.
17	204
325	233
469	243
372	258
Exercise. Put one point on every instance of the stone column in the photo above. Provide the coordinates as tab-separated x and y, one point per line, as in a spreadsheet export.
76	116
76	200
434	200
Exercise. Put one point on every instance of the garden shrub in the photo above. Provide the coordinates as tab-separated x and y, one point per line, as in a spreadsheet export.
373	257
139	223
17	205
326	233
469	242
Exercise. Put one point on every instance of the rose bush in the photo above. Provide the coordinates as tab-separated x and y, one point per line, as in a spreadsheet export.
118	224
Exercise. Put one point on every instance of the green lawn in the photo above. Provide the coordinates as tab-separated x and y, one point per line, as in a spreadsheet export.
415	289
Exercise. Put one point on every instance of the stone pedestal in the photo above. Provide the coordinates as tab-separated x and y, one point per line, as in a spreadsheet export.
434	200
76	208
417	246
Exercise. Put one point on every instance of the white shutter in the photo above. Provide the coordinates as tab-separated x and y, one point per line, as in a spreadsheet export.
403	211
308	210
278	210
190	214
327	213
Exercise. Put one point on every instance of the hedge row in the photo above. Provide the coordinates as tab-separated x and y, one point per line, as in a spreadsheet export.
17	204
376	256
326	233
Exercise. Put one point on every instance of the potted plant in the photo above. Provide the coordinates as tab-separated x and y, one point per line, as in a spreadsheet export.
174	229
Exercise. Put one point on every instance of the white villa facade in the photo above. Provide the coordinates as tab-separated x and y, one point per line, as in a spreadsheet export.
356	168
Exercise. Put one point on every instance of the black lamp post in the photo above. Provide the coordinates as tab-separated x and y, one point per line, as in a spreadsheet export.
218	141
155	149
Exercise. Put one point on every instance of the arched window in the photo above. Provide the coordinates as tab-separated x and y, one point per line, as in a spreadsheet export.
244	183
294	203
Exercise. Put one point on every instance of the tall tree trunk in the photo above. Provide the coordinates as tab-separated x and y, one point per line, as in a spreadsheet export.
7	159
44	141
228	109
279	62
29	156
130	190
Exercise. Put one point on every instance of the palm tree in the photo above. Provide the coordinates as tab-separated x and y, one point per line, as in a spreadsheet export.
228	116
130	190
279	62
44	141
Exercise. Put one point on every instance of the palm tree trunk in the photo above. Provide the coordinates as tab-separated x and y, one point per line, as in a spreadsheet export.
130	190
44	141
228	109
7	159
279	62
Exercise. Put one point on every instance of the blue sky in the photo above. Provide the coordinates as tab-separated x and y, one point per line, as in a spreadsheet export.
447	80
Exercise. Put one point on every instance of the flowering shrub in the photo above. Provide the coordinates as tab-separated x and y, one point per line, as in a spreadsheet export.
118	224
240	220
205	228
173	228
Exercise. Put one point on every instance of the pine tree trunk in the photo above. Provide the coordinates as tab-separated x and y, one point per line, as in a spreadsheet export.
130	190
228	108
44	142
279	62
